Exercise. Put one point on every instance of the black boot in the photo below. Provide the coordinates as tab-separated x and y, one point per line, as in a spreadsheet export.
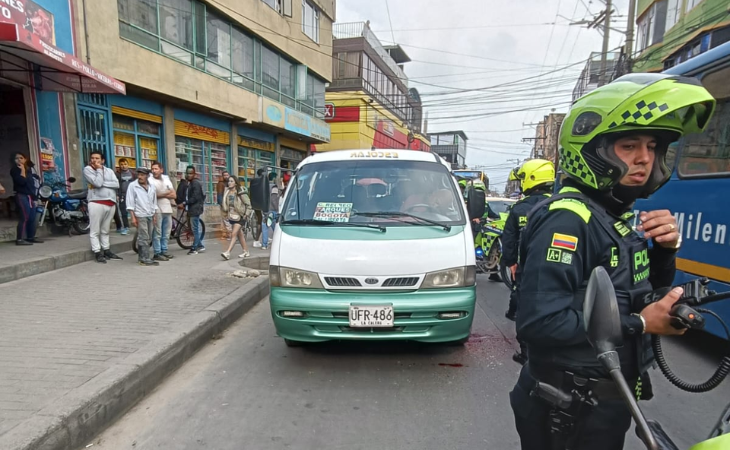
520	358
100	257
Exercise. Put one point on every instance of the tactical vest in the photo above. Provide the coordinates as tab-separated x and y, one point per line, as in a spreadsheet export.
627	263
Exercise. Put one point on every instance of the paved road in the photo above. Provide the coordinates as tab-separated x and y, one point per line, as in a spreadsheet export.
249	391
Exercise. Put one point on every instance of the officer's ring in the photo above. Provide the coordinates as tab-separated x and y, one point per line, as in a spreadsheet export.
671	227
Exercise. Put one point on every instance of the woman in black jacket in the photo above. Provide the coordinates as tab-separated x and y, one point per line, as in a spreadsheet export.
24	184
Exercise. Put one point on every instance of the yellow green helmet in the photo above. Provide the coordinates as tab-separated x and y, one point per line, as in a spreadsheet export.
665	106
535	173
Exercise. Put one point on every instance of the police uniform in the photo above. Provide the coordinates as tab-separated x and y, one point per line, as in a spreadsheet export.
516	221
566	237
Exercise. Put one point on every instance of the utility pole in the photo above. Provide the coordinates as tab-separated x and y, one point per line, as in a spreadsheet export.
604	50
629	48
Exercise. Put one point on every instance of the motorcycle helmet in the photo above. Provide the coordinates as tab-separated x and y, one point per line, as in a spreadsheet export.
664	106
535	173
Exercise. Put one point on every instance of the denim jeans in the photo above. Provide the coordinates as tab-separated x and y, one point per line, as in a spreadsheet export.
161	234
145	228
197	232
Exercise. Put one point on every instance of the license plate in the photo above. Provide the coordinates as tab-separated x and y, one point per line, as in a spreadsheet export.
371	316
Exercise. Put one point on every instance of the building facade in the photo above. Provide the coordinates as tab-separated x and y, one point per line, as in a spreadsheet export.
669	32
590	76
547	134
223	85
451	146
368	103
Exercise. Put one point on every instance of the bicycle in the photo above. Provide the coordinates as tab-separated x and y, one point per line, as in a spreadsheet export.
181	231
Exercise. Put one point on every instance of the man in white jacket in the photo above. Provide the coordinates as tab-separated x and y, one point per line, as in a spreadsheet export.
102	198
142	204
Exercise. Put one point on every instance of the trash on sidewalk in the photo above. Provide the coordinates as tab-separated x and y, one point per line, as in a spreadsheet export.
252	273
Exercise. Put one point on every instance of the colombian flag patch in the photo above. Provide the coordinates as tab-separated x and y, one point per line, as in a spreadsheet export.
564	241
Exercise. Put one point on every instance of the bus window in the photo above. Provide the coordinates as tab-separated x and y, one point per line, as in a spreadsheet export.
708	153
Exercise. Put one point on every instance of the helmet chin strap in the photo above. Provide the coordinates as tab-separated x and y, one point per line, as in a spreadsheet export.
627	195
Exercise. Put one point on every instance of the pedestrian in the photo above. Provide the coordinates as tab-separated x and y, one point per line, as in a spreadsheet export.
260	197
612	156
142	205
163	222
536	177
125	176
236	206
220	189
191	196
102	198
2	189
273	204
25	185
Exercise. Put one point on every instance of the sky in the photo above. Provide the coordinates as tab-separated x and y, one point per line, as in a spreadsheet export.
458	45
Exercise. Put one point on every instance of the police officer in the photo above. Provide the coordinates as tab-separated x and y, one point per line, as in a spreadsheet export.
613	148
536	178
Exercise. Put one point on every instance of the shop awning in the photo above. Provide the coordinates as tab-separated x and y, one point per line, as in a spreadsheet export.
50	68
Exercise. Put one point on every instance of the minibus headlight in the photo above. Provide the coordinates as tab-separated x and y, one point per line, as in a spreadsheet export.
451	278
293	278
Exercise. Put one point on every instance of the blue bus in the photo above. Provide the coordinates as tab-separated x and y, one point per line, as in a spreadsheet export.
699	183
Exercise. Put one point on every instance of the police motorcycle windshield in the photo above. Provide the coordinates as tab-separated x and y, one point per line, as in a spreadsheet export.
602	323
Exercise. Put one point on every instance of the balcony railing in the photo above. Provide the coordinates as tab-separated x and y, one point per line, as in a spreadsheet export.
361	29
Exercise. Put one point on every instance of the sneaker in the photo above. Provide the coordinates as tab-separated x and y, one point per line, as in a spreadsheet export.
245	254
148	263
192	252
111	256
257	244
159	257
264	247
511	315
119	230
125	231
22	242
100	257
167	255
270	241
34	241
226	255
200	249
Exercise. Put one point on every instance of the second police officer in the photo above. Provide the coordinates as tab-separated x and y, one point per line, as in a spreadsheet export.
536	178
613	150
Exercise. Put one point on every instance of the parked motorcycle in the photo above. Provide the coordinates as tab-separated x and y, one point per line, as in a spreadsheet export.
66	210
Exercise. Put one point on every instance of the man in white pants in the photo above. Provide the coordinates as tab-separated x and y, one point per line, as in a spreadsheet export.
102	197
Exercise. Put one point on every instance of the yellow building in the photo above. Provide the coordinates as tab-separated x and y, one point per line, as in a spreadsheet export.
368	102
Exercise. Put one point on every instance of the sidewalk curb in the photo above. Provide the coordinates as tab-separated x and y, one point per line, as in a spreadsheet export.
53	262
76	418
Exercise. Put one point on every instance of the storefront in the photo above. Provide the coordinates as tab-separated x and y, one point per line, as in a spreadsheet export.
291	153
137	137
205	144
36	66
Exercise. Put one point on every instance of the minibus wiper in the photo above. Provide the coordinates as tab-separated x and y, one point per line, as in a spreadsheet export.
402	214
332	223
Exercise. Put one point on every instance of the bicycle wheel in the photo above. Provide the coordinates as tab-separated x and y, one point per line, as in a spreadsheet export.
184	235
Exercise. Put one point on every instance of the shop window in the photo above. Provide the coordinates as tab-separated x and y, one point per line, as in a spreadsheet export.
135	140
310	20
210	160
270	73
250	160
